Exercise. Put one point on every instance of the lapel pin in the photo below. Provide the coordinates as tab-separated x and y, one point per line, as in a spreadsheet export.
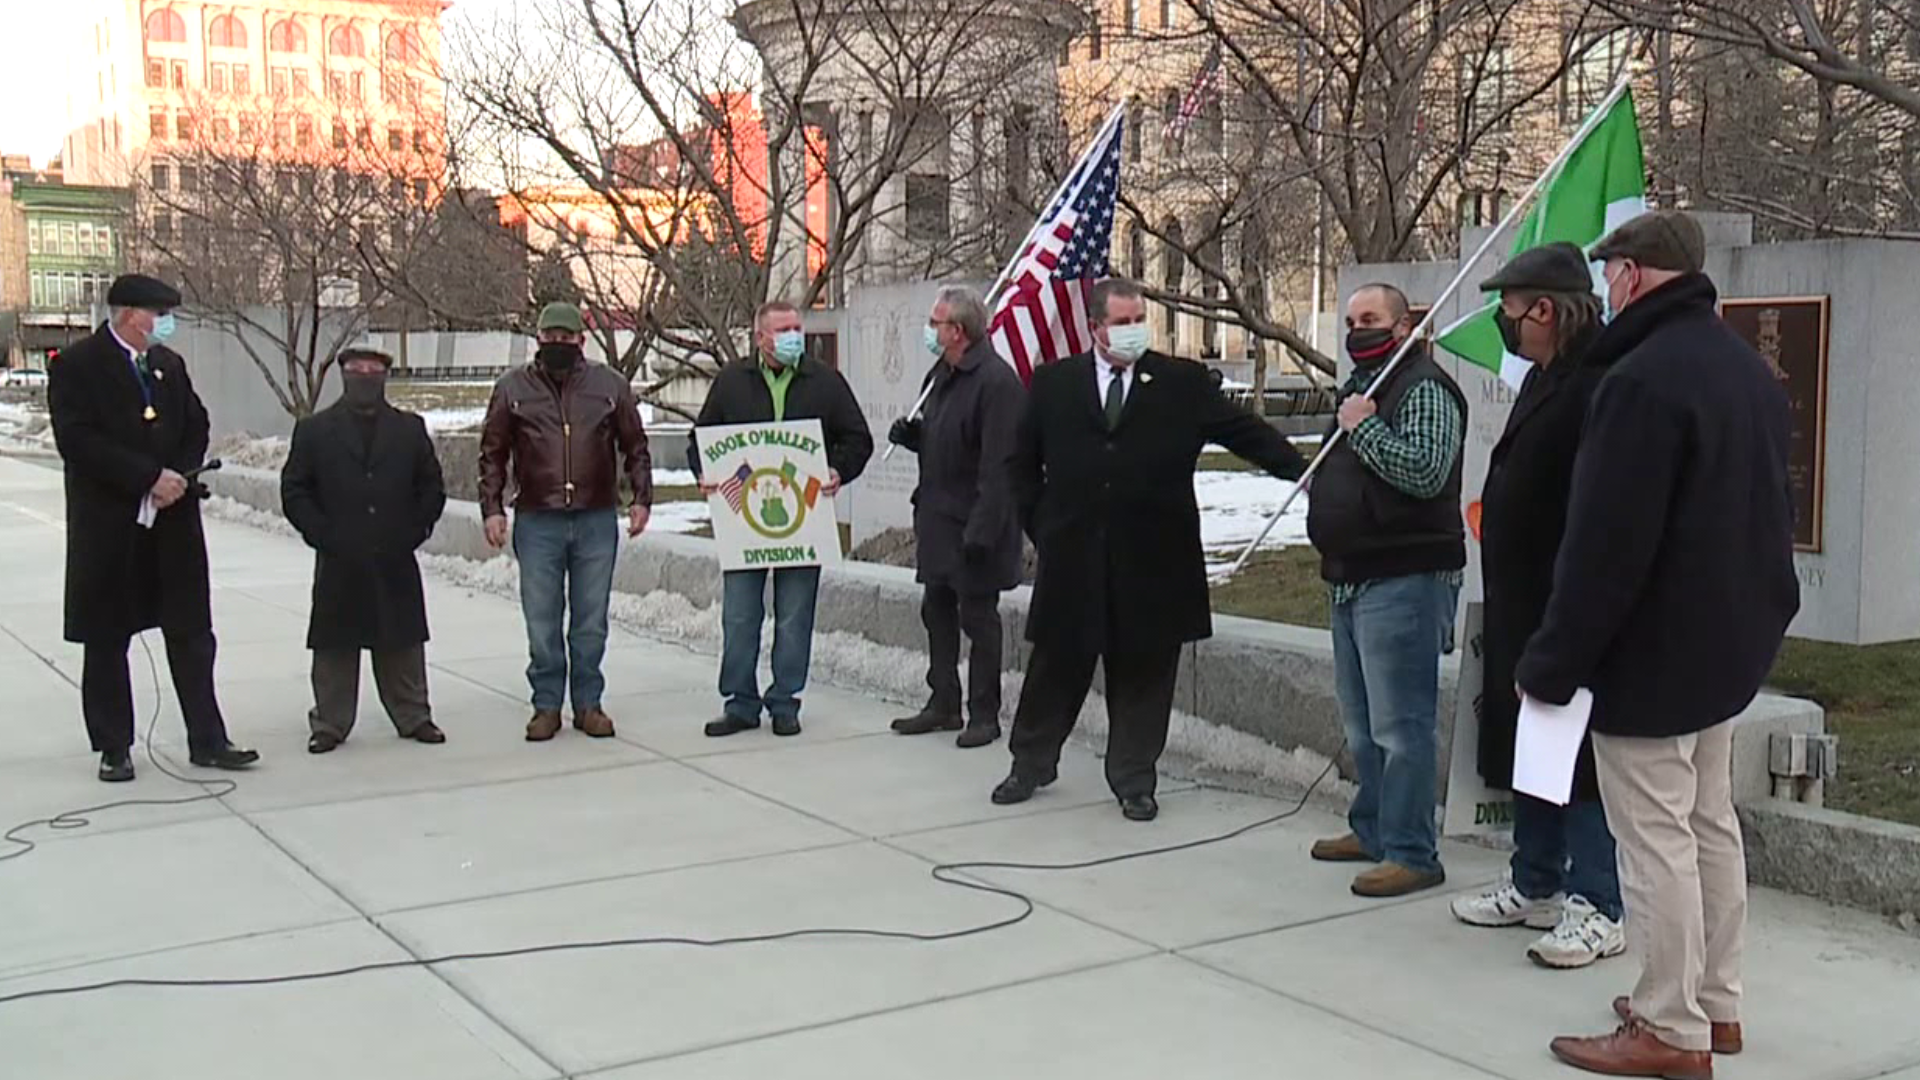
1146	377
159	375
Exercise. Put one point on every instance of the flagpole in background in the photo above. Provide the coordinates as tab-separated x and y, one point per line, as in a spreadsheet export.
1467	267
1119	112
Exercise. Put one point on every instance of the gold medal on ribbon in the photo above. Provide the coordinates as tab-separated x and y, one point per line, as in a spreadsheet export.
150	415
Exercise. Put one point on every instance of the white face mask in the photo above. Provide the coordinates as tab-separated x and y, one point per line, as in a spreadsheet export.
1128	343
1608	312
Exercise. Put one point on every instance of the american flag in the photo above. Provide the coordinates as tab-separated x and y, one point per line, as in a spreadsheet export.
1206	83
1041	315
735	489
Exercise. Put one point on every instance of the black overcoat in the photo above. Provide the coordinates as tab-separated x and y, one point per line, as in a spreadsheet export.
1523	516
1112	513
122	578
1675	581
364	510
964	498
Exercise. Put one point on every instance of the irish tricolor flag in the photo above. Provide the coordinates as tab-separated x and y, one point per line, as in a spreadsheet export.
1601	185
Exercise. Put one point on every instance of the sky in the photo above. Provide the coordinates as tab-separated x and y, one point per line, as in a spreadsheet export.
34	80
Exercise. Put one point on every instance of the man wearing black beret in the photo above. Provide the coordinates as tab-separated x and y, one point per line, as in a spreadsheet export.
129	428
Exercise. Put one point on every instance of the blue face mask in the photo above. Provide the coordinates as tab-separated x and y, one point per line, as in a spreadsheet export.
789	346
1128	343
1607	311
163	328
931	336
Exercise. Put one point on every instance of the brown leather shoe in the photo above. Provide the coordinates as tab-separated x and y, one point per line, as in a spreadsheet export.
544	725
1727	1039
1341	849
1392	879
594	722
1634	1050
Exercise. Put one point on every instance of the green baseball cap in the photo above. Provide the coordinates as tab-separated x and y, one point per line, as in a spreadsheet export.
559	316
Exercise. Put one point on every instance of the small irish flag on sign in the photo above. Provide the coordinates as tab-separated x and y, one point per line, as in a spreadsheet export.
1601	185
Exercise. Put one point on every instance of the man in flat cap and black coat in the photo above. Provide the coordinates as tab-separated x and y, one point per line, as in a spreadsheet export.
129	428
1563	878
362	484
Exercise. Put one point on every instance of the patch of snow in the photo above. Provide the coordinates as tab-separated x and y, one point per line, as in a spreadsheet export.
1235	506
461	419
673	478
252	451
678	517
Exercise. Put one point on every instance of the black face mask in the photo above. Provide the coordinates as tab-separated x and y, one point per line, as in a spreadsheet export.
1369	346
1509	330
364	392
558	356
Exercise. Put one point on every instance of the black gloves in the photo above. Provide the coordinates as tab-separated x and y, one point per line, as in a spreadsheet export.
905	432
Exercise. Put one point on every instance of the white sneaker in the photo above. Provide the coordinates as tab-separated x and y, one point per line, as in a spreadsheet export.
1583	936
1504	906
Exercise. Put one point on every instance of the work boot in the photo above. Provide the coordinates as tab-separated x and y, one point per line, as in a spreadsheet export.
977	734
544	725
594	722
1391	879
1341	849
729	725
927	720
1634	1050
1727	1038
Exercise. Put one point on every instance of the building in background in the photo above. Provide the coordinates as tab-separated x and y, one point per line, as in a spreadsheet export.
288	80
60	247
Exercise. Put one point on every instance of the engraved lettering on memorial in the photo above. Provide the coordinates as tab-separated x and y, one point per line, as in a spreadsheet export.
1790	334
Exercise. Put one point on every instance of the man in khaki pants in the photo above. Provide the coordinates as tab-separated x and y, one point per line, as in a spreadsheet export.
1673	589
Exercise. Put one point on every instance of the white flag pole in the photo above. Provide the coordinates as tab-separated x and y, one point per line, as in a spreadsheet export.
1119	111
1386	371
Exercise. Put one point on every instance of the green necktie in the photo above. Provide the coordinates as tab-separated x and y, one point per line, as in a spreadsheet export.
1116	398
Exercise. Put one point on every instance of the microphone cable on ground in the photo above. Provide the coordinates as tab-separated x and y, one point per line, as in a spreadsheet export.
82	818
945	873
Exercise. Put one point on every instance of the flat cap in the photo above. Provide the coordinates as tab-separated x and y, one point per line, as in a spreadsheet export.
141	291
1661	240
1557	267
561	316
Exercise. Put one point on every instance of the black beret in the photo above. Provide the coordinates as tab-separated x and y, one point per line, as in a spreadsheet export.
1558	267
141	291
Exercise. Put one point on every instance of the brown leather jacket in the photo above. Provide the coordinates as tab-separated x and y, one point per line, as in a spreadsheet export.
566	441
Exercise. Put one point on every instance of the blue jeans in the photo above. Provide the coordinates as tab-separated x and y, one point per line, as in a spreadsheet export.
566	566
1565	848
1386	650
743	607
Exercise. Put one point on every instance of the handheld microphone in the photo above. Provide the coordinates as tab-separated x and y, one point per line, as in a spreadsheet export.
192	476
211	466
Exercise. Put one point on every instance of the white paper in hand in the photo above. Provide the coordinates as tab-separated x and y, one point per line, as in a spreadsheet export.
1547	746
146	513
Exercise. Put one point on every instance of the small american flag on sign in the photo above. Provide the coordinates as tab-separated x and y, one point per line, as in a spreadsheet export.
1041	315
735	489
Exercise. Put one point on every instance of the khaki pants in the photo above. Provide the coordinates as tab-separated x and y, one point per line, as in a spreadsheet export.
400	674
1683	875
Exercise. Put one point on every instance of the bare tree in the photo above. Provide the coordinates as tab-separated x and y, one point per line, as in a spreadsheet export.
884	142
1800	114
1872	46
1343	131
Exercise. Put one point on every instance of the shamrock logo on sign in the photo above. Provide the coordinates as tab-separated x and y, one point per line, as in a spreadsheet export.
780	500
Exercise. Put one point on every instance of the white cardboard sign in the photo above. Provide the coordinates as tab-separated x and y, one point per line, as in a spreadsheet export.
772	509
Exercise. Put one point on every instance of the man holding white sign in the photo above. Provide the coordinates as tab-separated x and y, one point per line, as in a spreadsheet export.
763	474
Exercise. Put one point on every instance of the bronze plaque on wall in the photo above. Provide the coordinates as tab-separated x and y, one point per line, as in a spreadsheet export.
1790	333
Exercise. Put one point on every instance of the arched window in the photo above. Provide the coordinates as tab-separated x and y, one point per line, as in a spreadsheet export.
227	32
404	49
346	41
1137	252
287	37
167	25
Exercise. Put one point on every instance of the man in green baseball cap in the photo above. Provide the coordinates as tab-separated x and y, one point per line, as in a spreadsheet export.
566	428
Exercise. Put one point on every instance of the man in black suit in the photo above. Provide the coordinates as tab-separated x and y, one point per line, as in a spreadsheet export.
363	486
1103	474
129	427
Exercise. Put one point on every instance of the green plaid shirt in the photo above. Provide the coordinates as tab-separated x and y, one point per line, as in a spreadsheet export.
1414	452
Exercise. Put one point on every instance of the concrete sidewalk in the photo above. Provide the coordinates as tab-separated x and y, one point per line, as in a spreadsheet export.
1241	959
